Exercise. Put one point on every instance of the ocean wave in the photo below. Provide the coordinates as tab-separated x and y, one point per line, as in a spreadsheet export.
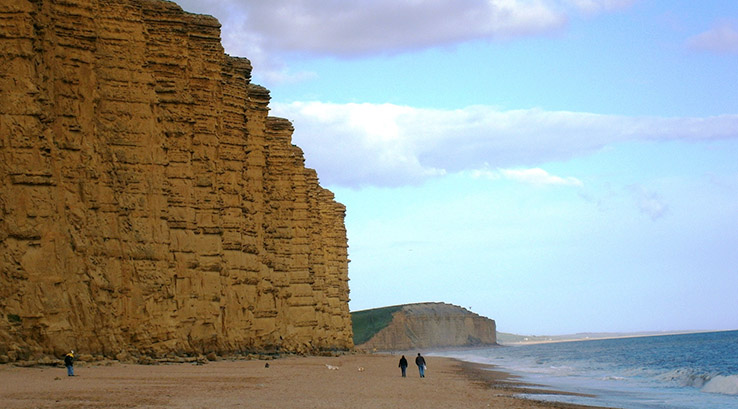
686	377
709	383
696	371
727	385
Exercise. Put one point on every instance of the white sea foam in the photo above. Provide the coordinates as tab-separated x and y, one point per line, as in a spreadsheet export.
727	385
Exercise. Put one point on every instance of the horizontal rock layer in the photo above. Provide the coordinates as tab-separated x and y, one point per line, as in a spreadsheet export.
433	325
148	203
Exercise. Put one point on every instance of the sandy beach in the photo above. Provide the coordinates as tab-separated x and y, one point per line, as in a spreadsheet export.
361	381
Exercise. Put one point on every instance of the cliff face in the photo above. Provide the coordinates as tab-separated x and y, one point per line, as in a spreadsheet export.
433	325
148	203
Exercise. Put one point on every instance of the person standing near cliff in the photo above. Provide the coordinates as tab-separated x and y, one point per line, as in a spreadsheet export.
69	363
403	365
420	362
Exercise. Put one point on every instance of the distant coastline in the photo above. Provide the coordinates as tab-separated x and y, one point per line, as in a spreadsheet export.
515	339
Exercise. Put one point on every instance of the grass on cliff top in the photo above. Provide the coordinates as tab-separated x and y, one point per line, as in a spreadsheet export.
368	322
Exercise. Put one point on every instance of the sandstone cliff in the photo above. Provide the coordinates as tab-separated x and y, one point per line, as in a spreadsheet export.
423	326
148	203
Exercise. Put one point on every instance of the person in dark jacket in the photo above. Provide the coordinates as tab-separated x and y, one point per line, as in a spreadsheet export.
420	362
403	365
69	363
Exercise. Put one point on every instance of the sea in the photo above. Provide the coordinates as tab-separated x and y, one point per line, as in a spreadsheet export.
685	371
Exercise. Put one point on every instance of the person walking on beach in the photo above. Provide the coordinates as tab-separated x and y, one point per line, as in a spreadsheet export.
420	362
403	365
69	363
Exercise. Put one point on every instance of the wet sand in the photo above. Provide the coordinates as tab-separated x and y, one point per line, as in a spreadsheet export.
361	381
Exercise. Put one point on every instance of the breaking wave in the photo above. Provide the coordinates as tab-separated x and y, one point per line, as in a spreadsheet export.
727	385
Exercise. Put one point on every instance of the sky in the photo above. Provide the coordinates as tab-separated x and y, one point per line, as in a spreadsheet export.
559	166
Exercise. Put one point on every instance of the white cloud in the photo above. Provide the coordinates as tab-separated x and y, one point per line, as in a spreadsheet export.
538	176
390	145
532	176
722	38
486	174
268	32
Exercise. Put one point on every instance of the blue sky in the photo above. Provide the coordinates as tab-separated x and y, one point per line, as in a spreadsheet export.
559	166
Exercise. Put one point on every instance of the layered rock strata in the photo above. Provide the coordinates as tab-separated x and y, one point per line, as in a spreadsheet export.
433	325
148	203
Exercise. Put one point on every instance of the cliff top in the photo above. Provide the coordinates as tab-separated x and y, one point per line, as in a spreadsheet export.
435	309
423	308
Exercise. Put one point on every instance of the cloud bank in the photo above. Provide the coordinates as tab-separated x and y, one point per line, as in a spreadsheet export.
357	145
347	29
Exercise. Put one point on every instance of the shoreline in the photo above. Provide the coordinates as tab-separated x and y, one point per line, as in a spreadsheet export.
507	385
358	380
556	339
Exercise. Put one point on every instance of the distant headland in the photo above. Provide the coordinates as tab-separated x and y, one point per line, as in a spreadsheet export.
422	325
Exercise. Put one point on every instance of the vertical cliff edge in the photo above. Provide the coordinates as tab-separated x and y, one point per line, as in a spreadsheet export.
149	206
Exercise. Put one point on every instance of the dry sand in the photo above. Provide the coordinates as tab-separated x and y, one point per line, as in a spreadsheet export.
292	382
